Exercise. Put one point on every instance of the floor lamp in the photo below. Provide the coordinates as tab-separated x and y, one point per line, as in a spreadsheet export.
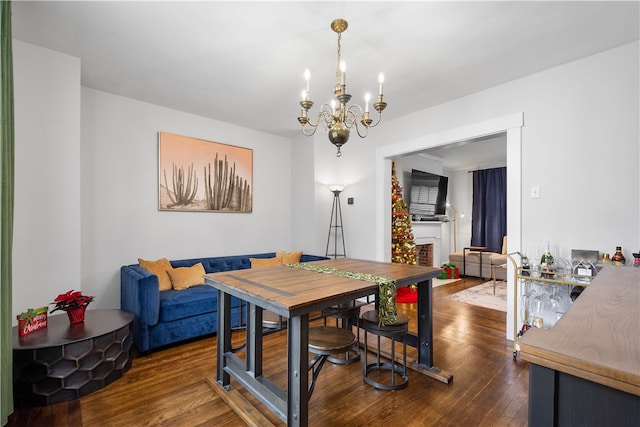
335	225
455	227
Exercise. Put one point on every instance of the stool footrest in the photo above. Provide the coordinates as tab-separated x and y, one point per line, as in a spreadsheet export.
395	369
396	331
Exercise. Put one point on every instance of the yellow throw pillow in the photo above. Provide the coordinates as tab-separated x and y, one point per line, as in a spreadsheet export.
160	268
265	262
290	257
185	277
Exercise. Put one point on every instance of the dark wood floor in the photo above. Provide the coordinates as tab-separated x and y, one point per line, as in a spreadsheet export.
169	387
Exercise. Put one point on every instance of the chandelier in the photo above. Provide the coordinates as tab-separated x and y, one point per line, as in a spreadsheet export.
337	117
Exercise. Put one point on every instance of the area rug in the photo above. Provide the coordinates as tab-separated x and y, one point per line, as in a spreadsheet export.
482	295
407	296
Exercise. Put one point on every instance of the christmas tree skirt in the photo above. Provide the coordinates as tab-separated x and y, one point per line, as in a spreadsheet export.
406	295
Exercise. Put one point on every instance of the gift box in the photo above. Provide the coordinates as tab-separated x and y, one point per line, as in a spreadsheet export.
34	319
449	272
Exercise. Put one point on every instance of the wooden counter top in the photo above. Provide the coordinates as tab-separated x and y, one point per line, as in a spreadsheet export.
598	338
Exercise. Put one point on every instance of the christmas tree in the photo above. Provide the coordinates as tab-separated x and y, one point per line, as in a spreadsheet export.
403	247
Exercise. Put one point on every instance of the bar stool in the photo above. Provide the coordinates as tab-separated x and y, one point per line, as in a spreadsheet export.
347	314
325	341
271	320
396	331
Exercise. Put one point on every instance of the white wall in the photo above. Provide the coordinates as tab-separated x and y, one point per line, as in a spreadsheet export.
120	216
579	144
46	238
87	186
93	197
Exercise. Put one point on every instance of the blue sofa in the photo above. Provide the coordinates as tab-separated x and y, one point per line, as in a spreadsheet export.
167	317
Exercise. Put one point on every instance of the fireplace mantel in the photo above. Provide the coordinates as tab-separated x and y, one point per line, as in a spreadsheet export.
430	232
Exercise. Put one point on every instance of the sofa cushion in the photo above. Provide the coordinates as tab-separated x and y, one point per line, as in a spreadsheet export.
160	268
474	257
498	259
185	277
199	299
265	262
290	257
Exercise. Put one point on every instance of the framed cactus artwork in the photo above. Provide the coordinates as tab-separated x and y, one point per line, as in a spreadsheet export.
203	176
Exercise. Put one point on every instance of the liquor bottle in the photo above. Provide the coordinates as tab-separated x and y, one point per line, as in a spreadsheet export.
618	258
575	292
525	266
546	262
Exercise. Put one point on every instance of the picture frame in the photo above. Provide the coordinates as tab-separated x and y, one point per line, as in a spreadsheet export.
197	175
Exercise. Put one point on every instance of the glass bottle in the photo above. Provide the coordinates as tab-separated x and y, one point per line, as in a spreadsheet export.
618	258
546	262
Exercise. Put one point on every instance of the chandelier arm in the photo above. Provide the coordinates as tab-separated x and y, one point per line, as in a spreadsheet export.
309	129
361	134
377	121
351	117
325	115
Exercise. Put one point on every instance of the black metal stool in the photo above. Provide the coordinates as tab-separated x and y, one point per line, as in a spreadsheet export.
347	314
325	341
398	330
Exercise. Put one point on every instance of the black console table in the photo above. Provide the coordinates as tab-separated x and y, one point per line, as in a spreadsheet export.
67	361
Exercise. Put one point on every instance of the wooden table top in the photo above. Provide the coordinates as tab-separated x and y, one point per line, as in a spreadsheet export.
598	338
290	291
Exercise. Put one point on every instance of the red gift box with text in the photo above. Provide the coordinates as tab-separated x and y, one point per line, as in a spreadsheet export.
32	320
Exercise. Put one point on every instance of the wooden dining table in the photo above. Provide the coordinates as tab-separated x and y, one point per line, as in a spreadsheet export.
294	293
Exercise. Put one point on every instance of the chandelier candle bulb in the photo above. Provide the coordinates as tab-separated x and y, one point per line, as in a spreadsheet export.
367	98
343	73
307	77
381	81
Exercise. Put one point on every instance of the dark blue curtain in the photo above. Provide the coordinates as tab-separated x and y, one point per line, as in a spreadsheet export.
489	216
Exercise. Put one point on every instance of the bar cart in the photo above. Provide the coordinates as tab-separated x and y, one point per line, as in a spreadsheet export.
541	296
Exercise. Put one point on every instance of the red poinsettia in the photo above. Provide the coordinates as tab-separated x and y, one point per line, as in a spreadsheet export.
70	300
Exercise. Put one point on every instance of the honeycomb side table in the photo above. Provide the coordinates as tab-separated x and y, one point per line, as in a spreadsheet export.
67	361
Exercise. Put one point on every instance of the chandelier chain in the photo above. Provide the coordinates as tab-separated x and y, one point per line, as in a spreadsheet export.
339	54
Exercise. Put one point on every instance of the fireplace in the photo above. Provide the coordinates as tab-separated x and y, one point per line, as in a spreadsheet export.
425	254
428	238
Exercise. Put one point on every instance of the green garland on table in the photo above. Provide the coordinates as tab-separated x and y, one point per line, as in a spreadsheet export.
387	313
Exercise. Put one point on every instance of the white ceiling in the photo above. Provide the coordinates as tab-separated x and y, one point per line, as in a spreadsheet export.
243	62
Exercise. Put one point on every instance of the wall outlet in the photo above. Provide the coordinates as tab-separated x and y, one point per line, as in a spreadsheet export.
535	192
350	201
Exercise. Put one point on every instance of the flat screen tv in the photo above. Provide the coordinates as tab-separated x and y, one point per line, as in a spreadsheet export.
428	196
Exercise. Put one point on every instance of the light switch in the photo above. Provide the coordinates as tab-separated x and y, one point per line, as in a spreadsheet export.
535	192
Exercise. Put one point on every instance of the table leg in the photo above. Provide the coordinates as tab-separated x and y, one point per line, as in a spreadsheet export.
297	371
425	324
423	342
223	337
254	340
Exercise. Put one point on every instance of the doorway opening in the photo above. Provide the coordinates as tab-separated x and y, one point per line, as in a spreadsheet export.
512	125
